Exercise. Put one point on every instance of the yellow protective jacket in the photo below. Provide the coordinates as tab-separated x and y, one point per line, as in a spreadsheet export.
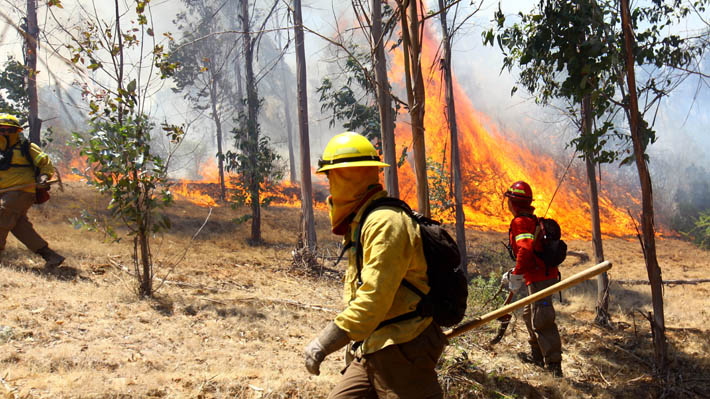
392	251
21	175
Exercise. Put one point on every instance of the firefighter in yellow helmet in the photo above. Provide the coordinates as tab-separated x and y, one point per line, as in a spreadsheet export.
390	357
22	164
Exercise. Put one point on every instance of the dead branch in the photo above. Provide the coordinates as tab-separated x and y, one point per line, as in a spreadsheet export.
666	282
583	256
10	390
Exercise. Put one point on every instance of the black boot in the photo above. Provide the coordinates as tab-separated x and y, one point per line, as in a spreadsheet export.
51	258
534	357
555	368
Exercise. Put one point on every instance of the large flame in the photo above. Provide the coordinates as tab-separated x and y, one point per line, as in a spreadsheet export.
491	161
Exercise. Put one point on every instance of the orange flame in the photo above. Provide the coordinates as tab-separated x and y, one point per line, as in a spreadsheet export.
490	162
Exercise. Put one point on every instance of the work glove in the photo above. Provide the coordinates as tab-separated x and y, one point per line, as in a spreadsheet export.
513	281
42	181
330	340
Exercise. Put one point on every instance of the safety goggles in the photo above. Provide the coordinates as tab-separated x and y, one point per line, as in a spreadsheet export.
7	130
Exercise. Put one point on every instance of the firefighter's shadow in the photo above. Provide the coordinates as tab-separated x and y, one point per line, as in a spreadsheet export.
62	273
619	295
460	377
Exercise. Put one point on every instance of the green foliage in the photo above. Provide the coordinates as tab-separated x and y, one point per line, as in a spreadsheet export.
692	200
569	50
356	108
700	233
125	168
441	197
254	164
13	91
123	164
482	294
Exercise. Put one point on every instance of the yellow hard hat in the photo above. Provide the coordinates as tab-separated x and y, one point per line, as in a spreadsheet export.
348	150
10	120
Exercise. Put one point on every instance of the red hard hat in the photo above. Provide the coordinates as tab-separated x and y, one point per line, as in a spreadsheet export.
519	190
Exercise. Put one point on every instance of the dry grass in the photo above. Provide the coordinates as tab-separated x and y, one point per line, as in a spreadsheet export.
233	320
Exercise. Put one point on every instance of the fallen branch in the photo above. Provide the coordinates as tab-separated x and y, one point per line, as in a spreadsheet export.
666	282
287	302
11	391
583	257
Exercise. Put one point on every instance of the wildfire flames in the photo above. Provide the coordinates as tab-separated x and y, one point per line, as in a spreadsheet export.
490	161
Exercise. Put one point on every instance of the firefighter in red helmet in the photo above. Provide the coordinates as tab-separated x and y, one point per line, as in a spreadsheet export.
545	343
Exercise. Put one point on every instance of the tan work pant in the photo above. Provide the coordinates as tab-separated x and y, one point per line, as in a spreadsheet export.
404	371
540	320
13	218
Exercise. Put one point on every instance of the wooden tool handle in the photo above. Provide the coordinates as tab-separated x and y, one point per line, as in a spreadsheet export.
566	283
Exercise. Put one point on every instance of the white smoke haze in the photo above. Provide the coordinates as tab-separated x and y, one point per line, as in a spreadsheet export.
682	123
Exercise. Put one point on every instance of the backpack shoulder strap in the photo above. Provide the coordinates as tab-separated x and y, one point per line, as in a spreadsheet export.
25	150
396	203
385	201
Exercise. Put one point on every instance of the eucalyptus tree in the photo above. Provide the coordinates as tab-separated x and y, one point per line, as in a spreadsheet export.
30	48
558	48
577	52
126	64
308	229
204	55
412	30
446	33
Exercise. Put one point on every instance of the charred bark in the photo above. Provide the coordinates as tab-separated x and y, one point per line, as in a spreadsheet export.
649	241
31	65
309	230
384	101
287	116
453	127
415	97
602	305
252	128
218	126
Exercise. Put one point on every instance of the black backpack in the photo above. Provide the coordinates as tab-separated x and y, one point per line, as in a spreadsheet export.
446	300
554	249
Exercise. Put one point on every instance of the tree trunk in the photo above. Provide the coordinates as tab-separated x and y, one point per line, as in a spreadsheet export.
289	130
453	128
146	288
309	230
287	115
31	65
218	126
649	241
417	111
239	103
252	128
384	101
602	306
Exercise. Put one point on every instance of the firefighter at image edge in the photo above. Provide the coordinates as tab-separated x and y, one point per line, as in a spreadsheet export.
545	343
397	360
22	167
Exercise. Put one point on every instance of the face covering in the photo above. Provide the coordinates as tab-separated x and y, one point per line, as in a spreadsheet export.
349	189
7	140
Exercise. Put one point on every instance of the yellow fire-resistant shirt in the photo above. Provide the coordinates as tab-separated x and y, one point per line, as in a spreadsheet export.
21	175
392	251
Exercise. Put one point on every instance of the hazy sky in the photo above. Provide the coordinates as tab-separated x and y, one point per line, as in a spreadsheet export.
683	125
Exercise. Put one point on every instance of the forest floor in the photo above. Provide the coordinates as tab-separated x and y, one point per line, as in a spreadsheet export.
231	320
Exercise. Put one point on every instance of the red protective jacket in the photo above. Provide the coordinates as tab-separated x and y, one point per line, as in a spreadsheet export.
522	240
